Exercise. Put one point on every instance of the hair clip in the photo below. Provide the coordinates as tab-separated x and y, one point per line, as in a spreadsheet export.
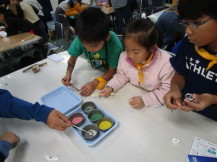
189	96
144	16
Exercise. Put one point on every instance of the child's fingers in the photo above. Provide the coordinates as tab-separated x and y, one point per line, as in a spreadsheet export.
170	103
83	90
106	94
136	105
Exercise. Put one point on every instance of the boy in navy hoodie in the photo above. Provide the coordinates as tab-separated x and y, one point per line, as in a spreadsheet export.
196	60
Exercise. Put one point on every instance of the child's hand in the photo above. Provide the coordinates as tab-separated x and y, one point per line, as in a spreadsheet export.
88	88
136	102
106	92
66	80
10	137
173	99
199	103
56	120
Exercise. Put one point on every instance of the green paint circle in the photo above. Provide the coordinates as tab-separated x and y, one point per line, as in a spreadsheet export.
88	109
95	117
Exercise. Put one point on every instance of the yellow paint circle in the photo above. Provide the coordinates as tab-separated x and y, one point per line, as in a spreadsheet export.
105	125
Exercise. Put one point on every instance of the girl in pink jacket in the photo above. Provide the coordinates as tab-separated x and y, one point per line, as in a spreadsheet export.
142	64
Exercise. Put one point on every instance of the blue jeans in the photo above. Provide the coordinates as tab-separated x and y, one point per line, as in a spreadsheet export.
122	16
167	24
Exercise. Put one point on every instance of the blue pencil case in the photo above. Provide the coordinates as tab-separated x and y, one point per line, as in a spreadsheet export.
67	102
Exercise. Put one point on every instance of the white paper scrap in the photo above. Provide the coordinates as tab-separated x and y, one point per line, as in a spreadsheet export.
55	58
51	157
175	140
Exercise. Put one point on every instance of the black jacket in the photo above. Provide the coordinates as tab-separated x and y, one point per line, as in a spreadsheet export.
16	23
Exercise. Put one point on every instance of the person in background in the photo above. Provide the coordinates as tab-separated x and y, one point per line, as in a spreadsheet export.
102	3
194	85
37	5
142	64
38	10
61	9
59	1
122	14
101	47
12	23
3	3
13	107
31	16
167	24
74	8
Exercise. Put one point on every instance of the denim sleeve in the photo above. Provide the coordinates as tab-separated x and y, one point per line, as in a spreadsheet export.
5	148
13	107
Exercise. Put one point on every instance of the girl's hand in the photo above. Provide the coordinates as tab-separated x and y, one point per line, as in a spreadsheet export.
88	88
173	99
106	92
199	103
137	102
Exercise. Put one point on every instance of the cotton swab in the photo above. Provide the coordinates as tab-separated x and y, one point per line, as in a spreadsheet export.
98	94
89	132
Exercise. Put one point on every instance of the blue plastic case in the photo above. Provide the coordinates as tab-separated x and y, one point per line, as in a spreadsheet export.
67	102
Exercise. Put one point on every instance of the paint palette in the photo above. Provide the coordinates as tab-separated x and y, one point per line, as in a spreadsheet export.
70	104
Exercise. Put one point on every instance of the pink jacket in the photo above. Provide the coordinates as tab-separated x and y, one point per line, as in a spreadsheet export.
157	77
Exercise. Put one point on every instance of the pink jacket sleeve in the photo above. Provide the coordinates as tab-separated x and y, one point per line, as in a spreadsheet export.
120	78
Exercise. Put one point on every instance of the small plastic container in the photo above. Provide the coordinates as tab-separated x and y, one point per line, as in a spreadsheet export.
95	115
90	132
88	107
105	123
77	119
69	103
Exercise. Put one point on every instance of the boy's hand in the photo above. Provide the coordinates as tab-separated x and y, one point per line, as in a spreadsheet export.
88	88
137	102
10	137
173	99
199	103
56	120
66	80
106	92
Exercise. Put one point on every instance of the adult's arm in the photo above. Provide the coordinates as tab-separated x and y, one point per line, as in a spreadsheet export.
13	107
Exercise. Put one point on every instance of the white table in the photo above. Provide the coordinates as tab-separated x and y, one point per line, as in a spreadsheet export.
142	135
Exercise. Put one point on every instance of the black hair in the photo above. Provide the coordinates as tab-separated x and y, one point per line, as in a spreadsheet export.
71	3
5	2
2	10
143	31
195	9
92	25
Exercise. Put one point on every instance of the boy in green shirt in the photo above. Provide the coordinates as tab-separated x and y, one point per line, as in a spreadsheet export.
100	46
